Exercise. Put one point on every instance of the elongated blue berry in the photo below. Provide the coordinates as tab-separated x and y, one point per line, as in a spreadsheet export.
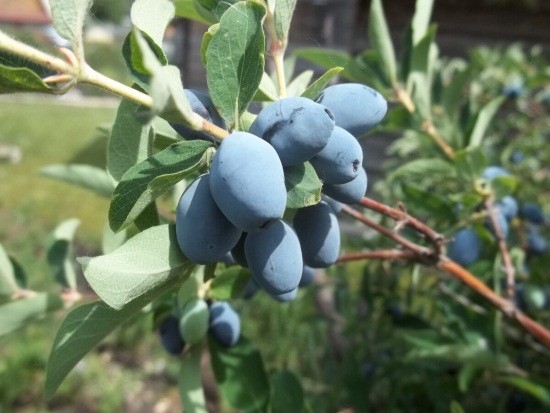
274	257
339	162
225	324
465	248
204	234
296	127
170	336
247	181
349	193
356	108
319	234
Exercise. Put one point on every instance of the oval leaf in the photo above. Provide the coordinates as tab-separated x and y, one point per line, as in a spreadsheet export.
149	179
235	59
16	314
302	185
84	176
145	262
240	375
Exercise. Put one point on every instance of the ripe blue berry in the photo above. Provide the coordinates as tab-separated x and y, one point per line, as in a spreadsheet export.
247	181
308	274
204	233
319	235
351	192
492	172
357	108
339	162
286	297
296	127
466	247
509	207
170	336
225	324
532	213
274	257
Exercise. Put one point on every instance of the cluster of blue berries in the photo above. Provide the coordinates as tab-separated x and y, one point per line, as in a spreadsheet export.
467	246
235	211
197	319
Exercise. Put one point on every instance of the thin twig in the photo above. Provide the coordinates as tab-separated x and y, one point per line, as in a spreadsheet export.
392	255
401	215
509	267
459	298
415	248
440	261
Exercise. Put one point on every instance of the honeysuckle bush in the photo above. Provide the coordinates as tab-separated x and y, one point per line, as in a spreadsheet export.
407	337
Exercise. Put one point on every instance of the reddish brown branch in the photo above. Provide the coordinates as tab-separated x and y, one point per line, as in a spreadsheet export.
436	258
401	215
392	255
509	267
506	306
415	248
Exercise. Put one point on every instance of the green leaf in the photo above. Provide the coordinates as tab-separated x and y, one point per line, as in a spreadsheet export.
189	383
299	84
206	38
152	17
379	36
302	185
284	9
423	167
267	92
111	240
235	59
421	19
504	185
539	391
328	59
419	199
230	284
149	179
483	120
21	79
60	253
454	92
466	375
470	164
315	89
214	9
84	176
16	314
8	282
240	375
130	140
135	58
68	18
169	101
19	272
419	80
286	392
85	326
144	263
188	9
456	407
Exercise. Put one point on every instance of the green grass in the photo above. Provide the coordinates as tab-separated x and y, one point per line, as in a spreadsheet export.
32	205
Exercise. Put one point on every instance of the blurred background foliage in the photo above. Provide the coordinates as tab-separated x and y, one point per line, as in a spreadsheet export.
371	336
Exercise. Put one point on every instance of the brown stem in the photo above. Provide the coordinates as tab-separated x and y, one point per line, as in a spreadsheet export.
415	248
392	255
510	272
429	257
507	307
429	128
401	215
